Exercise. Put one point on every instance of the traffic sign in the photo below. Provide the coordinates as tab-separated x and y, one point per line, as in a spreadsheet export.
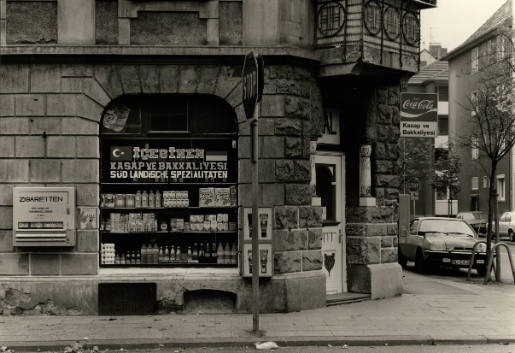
252	83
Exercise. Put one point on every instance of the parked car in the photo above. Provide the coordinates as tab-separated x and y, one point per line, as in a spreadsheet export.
507	225
477	220
440	241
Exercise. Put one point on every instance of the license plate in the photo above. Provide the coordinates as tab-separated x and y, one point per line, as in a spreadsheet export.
461	262
480	261
446	260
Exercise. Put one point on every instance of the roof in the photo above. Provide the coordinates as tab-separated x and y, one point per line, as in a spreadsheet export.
498	18
436	71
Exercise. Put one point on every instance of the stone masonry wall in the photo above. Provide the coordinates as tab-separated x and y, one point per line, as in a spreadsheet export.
372	231
49	126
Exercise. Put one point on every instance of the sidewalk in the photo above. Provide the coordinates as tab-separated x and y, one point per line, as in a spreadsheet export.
447	312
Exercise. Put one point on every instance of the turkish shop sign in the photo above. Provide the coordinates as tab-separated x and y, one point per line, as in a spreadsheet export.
419	115
162	164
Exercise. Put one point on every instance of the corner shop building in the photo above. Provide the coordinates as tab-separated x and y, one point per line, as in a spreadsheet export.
64	110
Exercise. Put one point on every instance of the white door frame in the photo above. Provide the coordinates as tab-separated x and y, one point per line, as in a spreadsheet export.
327	157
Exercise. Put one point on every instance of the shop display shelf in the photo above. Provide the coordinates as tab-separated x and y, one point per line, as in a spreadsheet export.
171	264
168	208
152	183
171	233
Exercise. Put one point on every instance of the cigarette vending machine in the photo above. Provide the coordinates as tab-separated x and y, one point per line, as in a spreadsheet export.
44	216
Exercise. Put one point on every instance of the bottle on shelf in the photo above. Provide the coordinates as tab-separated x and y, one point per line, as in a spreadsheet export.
158	199
144	199
233	254
227	254
178	255
194	254
137	199
213	253
151	199
172	254
220	254
189	256
201	253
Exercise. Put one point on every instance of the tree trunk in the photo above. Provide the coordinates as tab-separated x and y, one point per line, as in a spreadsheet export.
492	216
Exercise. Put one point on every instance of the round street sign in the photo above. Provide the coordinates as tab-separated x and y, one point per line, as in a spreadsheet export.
252	83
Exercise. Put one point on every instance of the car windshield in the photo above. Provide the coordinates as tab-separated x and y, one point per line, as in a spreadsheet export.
446	226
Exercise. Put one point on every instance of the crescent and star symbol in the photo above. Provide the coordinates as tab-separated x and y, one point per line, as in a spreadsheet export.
117	153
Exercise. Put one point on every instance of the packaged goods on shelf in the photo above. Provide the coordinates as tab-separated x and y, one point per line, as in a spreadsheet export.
233	195
175	198
107	253
109	200
119	200
130	200
206	197
222	197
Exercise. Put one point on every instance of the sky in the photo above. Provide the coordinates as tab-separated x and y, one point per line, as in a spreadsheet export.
453	21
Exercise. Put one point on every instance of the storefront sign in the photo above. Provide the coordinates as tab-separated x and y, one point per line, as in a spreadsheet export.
331	134
419	115
160	164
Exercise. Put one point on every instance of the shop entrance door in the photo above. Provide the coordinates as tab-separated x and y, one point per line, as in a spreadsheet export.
330	186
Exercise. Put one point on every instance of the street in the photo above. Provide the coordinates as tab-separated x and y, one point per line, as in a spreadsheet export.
490	348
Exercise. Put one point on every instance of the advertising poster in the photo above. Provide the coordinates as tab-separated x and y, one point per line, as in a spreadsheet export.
419	115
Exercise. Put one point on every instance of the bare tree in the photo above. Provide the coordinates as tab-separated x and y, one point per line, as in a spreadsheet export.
446	171
491	129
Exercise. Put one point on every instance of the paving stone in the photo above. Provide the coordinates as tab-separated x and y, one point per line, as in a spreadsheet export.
44	264
30	146
61	146
45	78
30	105
45	170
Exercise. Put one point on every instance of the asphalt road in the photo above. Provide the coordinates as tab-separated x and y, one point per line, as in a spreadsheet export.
489	348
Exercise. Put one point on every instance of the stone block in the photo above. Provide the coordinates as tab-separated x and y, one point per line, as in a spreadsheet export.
389	255
284	170
395	241
392	229
311	260
16	264
244	147
62	104
273	194
384	167
79	264
310	216
14	170
87	241
45	78
169	78
61	146
44	264
286	217
129	76
30	146
6	217
77	70
370	215
384	180
89	109
149	77
363	250
296	107
266	171
87	194
14	126
88	147
93	90
6	241
14	78
386	242
6	194
45	125
7	146
366	229
71	85
266	126
208	76
273	147
45	170
6	105
385	280
288	127
301	170
298	194
315	238
296	147
30	105
285	240
245	194
305	291
244	171
188	79
287	262
108	78
80	171
272	106
79	126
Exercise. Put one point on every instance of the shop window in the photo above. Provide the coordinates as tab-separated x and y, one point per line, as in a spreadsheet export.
501	188
326	190
331	18
169	182
474	202
475	183
485	182
392	23
443	125
373	17
443	94
411	28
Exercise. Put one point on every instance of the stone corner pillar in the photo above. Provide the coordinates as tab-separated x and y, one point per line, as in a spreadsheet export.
365	177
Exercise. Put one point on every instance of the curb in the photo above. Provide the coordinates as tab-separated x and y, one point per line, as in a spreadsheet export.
249	341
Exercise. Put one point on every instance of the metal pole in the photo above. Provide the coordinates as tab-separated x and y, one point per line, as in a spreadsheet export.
255	222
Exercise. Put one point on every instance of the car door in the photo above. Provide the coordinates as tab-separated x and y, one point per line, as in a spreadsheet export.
504	223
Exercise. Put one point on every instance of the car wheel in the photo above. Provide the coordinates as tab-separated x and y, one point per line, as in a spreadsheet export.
481	271
511	235
420	263
403	260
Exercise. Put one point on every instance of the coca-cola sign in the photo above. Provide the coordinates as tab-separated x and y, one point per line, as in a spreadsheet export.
419	115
